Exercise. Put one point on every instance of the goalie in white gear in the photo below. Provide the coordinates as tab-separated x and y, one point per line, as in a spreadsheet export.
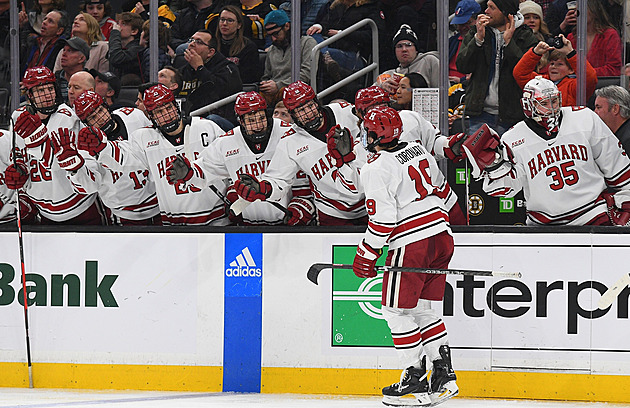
402	181
564	159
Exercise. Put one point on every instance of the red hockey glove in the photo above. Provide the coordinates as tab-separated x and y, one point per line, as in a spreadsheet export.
487	153
453	150
340	145
618	216
302	211
365	260
16	177
251	189
68	157
91	139
179	170
31	129
231	195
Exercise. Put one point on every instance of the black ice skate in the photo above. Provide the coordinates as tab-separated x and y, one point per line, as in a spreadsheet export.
413	381
443	378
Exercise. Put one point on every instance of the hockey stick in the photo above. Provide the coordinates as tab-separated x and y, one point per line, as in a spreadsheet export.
16	152
609	296
315	269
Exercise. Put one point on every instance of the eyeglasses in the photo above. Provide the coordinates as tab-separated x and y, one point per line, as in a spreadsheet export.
198	41
227	20
404	45
274	30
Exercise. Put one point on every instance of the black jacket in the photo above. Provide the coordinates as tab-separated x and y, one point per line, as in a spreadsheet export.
124	60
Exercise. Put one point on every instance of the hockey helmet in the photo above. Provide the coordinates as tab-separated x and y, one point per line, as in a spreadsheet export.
296	96
541	102
156	96
37	76
86	106
383	125
251	110
368	97
249	102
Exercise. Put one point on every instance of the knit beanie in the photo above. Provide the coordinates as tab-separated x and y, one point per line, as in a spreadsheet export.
405	33
507	6
530	7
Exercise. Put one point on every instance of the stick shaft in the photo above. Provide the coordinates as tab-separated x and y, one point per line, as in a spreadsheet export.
611	294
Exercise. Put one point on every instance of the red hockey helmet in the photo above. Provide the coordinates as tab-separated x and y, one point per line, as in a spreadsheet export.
249	102
156	96
86	104
38	76
382	124
370	96
297	94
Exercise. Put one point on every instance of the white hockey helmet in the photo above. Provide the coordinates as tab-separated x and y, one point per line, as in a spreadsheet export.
541	102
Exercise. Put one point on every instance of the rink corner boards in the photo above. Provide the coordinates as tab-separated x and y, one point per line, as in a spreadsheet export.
472	384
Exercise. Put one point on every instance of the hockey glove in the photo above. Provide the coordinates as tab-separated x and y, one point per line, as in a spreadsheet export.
365	260
453	150
16	175
340	145
487	153
251	189
618	216
91	139
302	211
30	128
179	170
66	152
231	195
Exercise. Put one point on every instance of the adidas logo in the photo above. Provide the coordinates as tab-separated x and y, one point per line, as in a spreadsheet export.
243	265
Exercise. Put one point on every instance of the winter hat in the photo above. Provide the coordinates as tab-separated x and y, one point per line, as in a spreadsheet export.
405	33
530	7
277	17
465	10
507	6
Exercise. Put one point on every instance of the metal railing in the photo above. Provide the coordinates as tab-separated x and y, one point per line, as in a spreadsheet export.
363	71
215	105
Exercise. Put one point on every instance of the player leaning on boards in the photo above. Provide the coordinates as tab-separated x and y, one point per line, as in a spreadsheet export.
401	180
564	159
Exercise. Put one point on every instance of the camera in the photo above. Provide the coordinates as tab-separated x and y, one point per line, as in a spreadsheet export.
555	42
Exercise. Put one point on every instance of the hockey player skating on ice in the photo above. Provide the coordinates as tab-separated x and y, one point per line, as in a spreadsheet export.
401	180
564	160
247	149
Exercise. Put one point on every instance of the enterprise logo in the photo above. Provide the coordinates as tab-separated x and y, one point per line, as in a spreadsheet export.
243	265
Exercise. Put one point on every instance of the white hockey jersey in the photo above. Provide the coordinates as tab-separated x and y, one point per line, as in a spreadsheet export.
562	178
179	204
298	150
401	189
128	191
7	196
48	186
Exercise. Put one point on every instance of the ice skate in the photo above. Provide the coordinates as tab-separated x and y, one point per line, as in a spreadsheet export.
443	378
413	381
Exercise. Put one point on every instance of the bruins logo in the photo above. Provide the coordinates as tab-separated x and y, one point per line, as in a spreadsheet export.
475	204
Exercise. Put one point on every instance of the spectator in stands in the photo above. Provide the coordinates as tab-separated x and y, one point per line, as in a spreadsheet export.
612	104
559	19
603	42
410	60
490	51
255	12
561	70
42	49
139	100
281	112
107	85
31	22
199	14
352	51
239	49
165	14
124	46
164	38
308	11
79	82
101	10
87	28
404	93
208	77
277	73
533	15
465	16
172	78
75	54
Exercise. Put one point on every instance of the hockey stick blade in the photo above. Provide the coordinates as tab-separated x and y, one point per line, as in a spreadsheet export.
315	269
609	296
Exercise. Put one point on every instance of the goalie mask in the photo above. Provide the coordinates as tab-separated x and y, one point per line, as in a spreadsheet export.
162	108
251	111
92	110
42	90
381	126
303	106
541	102
369	97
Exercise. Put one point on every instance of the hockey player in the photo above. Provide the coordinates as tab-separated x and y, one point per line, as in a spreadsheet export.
338	200
156	147
248	149
564	160
37	123
415	127
402	182
129	194
10	177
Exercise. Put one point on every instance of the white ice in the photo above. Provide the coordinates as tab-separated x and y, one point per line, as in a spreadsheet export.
42	398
